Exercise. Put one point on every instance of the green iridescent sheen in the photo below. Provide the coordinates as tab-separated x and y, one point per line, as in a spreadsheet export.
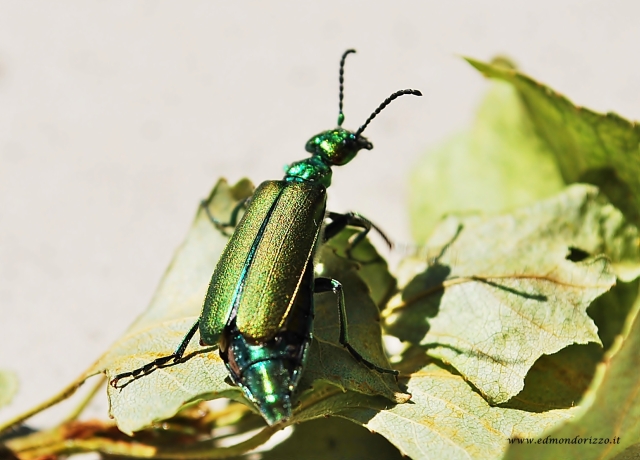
266	378
265	341
311	169
337	146
259	308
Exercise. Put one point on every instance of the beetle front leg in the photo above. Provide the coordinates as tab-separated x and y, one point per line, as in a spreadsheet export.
331	285
233	220
164	361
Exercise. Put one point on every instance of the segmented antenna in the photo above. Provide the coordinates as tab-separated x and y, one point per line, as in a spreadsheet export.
387	101
344	58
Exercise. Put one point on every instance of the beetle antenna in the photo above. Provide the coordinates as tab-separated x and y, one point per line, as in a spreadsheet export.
387	101
344	58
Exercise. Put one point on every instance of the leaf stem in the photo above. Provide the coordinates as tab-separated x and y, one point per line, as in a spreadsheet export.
75	413
205	449
57	442
62	395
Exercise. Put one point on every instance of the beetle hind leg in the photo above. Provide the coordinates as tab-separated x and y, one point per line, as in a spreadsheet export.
334	286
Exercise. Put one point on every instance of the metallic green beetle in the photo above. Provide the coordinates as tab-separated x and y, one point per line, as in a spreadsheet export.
259	306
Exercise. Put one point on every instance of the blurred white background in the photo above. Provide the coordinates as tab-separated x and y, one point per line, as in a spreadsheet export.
117	117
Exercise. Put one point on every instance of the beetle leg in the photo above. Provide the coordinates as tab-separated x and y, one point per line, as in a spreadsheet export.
233	220
353	219
331	285
164	361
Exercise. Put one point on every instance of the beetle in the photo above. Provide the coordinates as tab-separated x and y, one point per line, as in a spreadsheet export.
259	307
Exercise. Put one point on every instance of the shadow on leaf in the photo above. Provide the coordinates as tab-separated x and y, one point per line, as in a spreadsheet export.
558	381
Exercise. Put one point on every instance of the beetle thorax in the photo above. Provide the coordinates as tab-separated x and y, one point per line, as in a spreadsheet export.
313	169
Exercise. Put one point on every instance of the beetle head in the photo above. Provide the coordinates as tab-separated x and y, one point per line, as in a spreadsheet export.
337	146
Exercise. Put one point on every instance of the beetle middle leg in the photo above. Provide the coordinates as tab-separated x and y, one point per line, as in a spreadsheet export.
340	221
334	286
161	362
